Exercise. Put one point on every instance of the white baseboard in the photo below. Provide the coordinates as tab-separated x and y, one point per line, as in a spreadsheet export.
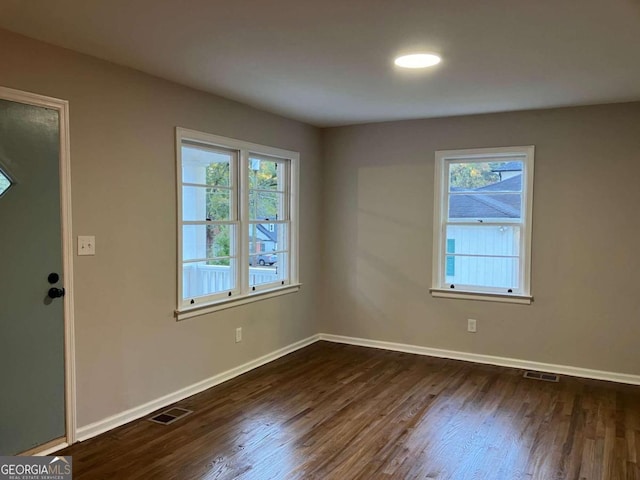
101	426
52	449
487	359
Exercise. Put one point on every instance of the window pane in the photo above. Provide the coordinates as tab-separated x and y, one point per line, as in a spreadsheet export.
485	206
207	241
206	166
450	264
5	183
200	279
483	240
266	205
264	237
282	230
500	176
484	271
277	272
264	174
202	203
266	259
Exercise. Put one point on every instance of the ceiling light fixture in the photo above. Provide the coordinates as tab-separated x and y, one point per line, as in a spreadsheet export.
418	60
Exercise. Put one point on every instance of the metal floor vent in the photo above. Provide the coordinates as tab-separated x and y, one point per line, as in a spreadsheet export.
170	416
547	377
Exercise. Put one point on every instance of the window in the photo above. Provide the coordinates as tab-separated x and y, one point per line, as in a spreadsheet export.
482	224
237	220
5	183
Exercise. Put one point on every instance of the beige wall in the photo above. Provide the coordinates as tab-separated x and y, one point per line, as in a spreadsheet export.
130	350
586	237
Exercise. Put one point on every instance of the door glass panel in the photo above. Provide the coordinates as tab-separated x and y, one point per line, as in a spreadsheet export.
5	183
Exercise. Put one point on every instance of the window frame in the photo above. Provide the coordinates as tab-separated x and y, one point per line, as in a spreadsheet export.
232	221
285	214
243	292
443	158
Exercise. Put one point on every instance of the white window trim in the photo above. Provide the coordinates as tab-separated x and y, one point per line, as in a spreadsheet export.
185	312
244	293
439	221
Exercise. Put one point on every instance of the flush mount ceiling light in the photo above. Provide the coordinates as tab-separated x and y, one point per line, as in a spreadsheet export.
418	60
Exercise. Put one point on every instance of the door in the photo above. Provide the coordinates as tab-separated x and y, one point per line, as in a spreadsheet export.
32	389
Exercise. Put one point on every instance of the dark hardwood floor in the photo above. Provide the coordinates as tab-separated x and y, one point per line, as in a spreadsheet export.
340	412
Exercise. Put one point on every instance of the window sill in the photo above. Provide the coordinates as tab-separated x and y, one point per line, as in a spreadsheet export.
235	302
482	296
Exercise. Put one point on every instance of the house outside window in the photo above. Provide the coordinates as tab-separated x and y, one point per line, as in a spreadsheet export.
237	220
482	224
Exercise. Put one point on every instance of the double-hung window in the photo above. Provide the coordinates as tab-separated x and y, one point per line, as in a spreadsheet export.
237	221
482	224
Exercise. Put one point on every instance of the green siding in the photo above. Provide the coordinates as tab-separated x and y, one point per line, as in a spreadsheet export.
451	261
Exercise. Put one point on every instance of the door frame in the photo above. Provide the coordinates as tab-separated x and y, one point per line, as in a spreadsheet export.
62	107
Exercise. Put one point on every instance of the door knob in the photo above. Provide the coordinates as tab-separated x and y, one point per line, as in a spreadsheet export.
56	292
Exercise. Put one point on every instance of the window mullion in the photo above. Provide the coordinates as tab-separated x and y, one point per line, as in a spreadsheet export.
478	255
294	219
444	215
484	194
243	244
234	215
484	224
443	253
287	214
524	254
266	222
179	207
204	185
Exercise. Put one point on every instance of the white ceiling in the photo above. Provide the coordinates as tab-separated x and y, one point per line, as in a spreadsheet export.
330	62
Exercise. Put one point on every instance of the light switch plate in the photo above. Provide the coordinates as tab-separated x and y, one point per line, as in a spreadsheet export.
86	245
472	325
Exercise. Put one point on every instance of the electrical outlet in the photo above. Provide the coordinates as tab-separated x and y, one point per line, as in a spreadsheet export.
471	325
238	334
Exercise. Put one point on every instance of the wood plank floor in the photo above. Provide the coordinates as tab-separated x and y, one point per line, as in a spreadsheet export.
341	412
